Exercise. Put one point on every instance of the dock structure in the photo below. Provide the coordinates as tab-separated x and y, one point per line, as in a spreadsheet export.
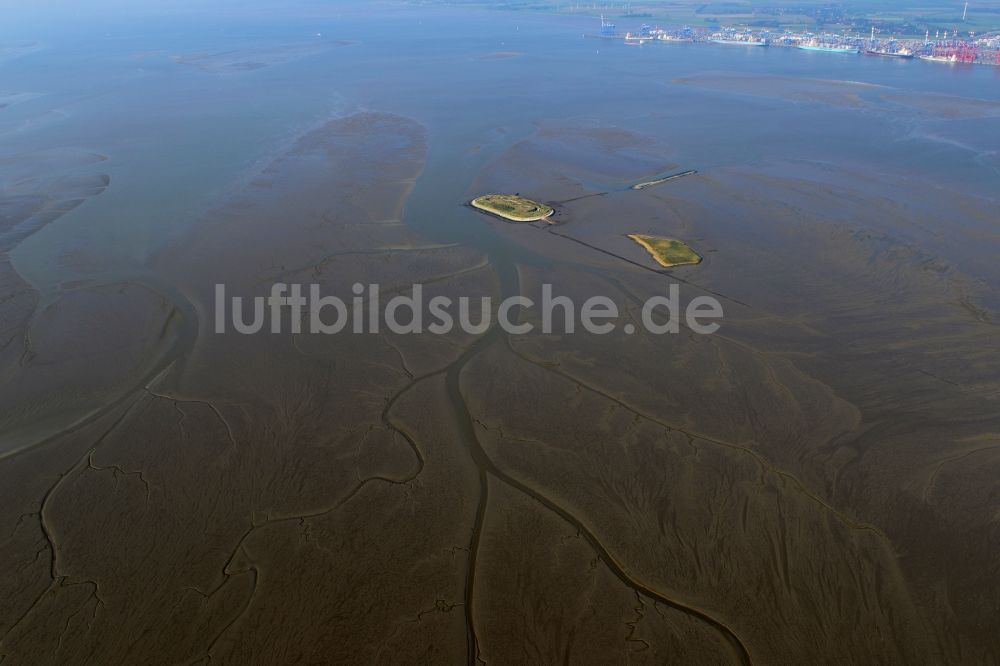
947	47
659	181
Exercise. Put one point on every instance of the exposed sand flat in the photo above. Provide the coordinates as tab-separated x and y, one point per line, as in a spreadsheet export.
501	55
46	162
14	50
529	553
946	106
751	81
16	310
745	497
852	94
760	443
825	91
10	98
244	60
39	399
352	420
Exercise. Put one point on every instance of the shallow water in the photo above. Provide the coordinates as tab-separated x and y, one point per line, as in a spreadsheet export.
179	134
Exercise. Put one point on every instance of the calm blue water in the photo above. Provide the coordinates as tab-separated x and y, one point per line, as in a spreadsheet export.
179	135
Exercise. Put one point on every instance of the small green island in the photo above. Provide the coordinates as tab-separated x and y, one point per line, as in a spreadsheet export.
512	207
667	252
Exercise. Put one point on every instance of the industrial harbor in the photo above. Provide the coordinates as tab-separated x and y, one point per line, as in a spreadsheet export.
948	47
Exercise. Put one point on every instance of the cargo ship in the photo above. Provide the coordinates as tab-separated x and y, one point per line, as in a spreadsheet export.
887	49
742	42
674	38
937	58
634	40
828	48
901	53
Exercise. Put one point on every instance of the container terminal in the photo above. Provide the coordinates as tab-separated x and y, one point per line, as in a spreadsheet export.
948	47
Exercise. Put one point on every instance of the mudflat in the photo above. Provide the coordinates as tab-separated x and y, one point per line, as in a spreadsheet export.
814	483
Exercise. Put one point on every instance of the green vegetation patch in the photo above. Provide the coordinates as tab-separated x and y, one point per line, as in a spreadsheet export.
512	207
667	252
